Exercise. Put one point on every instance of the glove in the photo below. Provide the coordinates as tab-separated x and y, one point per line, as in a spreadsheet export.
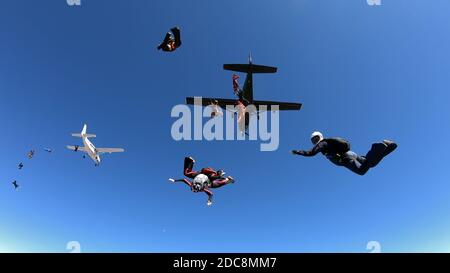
171	180
209	203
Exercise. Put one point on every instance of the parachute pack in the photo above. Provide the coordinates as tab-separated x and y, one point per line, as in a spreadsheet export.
338	145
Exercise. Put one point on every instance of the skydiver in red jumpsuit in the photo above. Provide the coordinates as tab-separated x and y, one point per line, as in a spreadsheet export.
203	180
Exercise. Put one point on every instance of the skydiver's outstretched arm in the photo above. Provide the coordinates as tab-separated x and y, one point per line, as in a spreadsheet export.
220	181
184	180
315	150
210	195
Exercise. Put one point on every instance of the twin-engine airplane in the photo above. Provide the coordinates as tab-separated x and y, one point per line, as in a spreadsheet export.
90	149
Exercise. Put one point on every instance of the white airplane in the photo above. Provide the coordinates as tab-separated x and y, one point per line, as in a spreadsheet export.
90	149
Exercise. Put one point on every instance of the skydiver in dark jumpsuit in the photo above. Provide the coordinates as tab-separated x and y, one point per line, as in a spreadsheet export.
215	179
338	152
172	40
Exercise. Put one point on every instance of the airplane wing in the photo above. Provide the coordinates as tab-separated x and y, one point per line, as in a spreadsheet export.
281	105
250	68
224	102
81	149
207	101
109	150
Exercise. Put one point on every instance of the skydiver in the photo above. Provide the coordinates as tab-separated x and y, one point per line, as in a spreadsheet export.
16	186
31	154
240	105
238	91
203	180
76	148
48	150
337	150
210	172
172	40
216	111
201	183
236	88
20	166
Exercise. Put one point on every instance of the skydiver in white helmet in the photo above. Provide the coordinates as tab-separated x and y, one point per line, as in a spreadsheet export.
337	150
203	180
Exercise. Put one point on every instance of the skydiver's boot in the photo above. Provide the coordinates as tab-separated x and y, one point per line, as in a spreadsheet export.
376	154
188	163
391	146
177	36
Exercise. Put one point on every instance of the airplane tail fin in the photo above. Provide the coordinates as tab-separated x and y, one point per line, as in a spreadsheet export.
250	68
83	133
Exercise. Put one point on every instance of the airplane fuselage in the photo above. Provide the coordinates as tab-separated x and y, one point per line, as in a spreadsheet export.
91	150
248	88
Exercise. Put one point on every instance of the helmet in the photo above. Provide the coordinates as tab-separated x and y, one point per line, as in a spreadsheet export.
316	134
199	183
221	173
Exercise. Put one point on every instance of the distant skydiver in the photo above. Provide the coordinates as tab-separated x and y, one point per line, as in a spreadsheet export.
15	184
76	148
48	150
203	180
337	150
31	154
172	40
216	110
20	166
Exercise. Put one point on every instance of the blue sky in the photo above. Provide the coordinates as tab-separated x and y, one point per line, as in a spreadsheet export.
362	72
